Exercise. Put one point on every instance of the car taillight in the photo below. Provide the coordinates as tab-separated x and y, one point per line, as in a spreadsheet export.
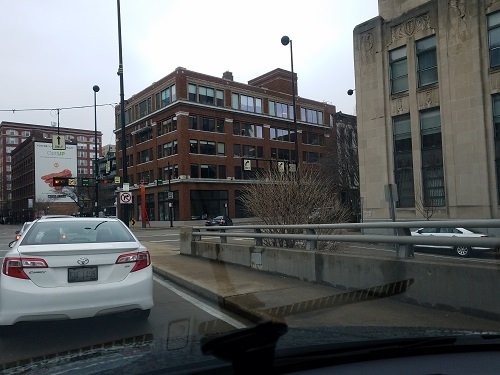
14	267
141	260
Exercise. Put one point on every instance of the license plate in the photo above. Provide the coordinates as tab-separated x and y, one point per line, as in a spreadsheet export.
81	274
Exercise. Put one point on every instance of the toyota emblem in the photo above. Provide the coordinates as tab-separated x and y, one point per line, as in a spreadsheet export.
83	261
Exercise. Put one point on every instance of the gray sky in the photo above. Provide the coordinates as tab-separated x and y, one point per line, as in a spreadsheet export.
54	51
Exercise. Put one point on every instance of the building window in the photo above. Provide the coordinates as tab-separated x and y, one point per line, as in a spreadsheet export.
165	97
246	103
205	95
248	151
145	107
207	124
311	115
163	173
432	158
278	134
144	156
403	161
167	149
11	141
280	110
144	135
282	154
247	130
427	72
26	133
208	171
167	126
310	157
496	124
83	162
311	138
494	39
206	147
398	70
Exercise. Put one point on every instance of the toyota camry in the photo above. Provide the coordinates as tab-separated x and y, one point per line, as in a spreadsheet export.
68	268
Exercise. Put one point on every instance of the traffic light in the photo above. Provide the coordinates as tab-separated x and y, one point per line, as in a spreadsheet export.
85	182
60	181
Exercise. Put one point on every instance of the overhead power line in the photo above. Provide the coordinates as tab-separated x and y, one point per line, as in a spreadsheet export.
56	109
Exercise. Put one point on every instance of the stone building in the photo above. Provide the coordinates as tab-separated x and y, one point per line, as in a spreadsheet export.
428	108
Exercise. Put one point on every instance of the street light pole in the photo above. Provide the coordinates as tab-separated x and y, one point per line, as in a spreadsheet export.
170	201
124	207
285	40
96	168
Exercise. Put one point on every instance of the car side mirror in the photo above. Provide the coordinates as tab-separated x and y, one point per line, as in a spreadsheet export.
11	244
18	231
419	231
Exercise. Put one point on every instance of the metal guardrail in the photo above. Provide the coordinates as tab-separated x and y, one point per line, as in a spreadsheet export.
402	238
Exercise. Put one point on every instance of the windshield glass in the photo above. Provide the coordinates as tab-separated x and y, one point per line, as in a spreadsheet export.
59	232
173	173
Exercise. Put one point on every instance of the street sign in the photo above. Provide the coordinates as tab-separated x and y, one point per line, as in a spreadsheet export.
72	181
117	179
125	197
247	165
281	166
292	167
58	142
170	195
126	186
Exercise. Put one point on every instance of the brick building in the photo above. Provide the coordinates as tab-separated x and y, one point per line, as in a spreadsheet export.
13	134
211	135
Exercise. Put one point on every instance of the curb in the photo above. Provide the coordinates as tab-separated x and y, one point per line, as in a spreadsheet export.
222	302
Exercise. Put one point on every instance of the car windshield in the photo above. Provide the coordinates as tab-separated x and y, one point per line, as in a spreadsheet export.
76	231
189	183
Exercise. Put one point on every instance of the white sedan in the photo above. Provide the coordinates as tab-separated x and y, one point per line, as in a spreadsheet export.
463	251
70	268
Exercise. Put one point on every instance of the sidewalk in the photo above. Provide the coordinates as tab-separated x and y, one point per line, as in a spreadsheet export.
253	294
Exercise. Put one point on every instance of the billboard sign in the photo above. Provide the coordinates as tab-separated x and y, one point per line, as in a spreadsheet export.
51	163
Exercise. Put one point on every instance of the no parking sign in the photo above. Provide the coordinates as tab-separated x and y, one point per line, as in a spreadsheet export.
125	197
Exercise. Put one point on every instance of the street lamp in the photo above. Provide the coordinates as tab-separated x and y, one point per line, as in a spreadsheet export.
124	211
96	168
285	41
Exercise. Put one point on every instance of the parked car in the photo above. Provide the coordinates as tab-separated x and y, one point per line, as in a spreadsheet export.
222	220
22	230
72	267
462	251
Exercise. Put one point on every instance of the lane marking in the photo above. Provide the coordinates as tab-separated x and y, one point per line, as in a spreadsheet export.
201	305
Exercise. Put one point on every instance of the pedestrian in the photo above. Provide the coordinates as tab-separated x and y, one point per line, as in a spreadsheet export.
132	221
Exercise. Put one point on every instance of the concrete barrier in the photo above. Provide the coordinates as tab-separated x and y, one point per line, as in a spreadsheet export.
436	283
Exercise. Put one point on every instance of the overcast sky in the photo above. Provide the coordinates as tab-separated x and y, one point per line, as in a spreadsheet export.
55	51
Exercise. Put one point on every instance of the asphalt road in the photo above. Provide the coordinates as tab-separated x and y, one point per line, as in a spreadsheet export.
177	321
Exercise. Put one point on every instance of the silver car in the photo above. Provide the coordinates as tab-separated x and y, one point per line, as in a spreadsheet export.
462	250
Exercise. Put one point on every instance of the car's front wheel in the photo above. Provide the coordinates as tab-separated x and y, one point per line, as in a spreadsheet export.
462	251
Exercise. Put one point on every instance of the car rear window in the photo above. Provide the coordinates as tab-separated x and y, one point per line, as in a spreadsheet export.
60	232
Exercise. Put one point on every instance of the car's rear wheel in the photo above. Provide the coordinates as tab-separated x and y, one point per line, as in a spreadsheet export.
462	251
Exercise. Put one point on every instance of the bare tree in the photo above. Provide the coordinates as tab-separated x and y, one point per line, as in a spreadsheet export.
420	204
280	198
